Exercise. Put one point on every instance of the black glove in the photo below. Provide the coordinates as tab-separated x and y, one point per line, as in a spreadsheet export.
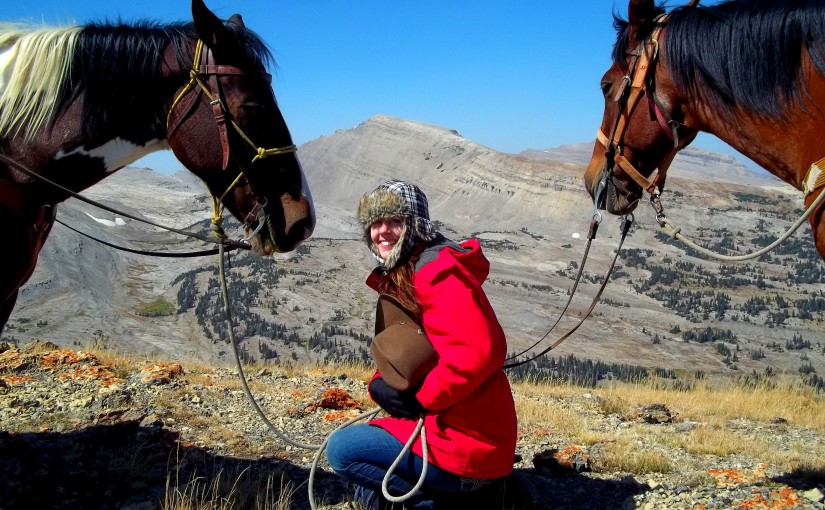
398	403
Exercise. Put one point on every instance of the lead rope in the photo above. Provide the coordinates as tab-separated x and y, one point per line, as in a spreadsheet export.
674	231
419	430
317	457
225	294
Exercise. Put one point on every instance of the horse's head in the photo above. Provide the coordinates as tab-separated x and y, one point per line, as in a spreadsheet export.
642	126
225	126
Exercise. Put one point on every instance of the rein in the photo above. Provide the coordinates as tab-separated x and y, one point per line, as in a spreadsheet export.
222	241
182	254
627	222
594	226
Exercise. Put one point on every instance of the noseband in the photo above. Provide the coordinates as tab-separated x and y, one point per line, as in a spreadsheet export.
205	69
641	81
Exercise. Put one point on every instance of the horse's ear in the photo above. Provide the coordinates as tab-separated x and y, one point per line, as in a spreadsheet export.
639	14
210	28
236	19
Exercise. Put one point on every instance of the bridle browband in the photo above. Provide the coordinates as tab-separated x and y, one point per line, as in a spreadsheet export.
204	69
641	80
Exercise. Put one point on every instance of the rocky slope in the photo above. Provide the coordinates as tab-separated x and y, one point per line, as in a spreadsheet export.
78	430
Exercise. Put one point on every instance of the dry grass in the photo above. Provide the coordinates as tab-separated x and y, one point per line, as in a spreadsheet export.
721	418
253	491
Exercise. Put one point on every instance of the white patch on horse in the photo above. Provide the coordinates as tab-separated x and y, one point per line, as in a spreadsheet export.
117	153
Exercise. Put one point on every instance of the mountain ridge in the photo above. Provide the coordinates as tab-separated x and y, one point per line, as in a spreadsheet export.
525	211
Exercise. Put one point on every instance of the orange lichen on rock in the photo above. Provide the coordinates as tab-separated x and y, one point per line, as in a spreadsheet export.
13	361
336	398
341	415
783	497
90	373
68	364
163	373
734	477
570	458
14	380
53	360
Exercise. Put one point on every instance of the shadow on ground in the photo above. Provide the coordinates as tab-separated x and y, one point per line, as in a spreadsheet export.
129	467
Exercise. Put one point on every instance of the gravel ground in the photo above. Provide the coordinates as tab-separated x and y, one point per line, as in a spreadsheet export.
78	432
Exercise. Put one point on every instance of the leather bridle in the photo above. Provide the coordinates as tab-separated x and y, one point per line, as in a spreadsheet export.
641	80
205	70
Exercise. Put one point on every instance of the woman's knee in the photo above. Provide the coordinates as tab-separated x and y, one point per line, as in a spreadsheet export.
348	445
339	451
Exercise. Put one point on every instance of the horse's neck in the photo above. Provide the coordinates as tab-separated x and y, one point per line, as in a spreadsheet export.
785	148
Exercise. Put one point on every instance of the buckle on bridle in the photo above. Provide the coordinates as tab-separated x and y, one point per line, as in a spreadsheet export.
256	214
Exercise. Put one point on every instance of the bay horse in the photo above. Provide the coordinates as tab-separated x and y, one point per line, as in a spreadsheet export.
79	103
751	72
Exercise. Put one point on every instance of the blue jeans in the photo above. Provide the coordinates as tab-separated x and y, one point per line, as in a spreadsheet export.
362	454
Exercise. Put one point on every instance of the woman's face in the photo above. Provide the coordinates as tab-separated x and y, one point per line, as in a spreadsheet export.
384	233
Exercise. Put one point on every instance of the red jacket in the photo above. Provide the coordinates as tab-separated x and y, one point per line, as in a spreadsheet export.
471	418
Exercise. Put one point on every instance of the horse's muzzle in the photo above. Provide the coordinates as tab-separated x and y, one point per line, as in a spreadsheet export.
619	198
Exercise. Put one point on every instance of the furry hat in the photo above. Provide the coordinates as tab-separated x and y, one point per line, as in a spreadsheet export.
397	199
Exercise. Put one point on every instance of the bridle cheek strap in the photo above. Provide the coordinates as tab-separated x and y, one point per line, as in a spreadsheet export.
220	114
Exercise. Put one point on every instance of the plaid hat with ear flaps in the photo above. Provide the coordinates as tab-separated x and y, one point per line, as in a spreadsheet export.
397	199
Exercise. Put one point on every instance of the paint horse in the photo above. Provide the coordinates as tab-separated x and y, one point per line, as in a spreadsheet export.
750	72
79	103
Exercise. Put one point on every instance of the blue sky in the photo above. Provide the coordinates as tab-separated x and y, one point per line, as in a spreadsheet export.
508	74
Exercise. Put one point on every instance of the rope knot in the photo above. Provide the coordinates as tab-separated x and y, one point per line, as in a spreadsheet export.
217	229
674	232
261	153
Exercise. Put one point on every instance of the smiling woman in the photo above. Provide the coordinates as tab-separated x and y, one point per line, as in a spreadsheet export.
384	234
437	283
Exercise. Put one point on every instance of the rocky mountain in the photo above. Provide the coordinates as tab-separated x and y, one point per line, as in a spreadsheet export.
665	307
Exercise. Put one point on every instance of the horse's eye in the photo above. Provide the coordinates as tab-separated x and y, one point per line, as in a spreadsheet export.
253	110
606	86
252	107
